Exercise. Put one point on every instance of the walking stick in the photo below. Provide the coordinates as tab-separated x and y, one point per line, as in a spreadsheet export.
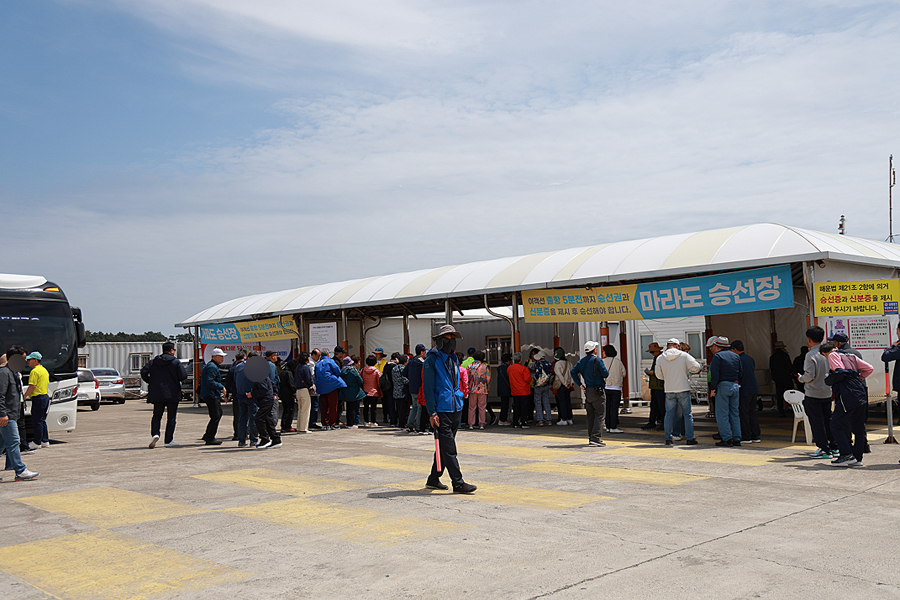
437	452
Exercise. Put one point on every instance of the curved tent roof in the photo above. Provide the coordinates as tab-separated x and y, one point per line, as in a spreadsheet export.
662	257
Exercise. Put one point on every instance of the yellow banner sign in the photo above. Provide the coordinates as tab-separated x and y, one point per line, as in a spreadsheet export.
848	298
601	304
281	328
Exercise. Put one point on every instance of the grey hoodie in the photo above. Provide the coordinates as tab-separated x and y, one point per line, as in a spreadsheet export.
815	369
675	370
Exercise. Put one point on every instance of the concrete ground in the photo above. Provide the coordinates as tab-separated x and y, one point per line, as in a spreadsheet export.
344	514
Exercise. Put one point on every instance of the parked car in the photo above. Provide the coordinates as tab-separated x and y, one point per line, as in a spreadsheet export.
112	385
88	389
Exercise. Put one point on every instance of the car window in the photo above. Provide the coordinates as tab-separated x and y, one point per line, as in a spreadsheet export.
85	375
105	372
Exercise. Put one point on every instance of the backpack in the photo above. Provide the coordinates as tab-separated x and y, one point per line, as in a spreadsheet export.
386	382
543	374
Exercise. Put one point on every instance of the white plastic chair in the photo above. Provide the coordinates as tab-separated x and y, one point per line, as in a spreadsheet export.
795	399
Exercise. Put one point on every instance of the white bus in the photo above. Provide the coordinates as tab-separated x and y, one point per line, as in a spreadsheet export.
35	314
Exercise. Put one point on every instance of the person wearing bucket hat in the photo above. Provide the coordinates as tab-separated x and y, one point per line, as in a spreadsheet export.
38	382
725	373
444	402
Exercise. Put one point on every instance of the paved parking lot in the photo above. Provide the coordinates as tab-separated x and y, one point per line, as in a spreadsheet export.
344	514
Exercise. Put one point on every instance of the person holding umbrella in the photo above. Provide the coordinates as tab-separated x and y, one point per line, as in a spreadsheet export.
444	402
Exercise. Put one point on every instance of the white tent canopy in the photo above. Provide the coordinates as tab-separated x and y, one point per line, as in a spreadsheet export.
662	257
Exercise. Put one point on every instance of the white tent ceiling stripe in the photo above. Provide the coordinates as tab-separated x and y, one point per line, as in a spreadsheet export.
727	248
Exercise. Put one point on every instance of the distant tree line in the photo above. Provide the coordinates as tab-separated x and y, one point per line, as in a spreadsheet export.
147	336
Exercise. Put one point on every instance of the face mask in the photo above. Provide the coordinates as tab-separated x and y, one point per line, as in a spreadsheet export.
448	346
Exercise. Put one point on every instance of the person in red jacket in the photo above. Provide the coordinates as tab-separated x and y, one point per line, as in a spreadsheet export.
519	383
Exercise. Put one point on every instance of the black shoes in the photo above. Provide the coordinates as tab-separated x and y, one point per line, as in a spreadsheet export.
668	442
464	488
691	443
648	426
735	442
213	442
436	486
723	443
716	436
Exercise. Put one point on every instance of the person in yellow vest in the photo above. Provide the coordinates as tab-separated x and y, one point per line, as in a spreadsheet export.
38	381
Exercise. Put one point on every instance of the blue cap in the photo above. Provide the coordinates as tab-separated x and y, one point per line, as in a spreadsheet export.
34	355
420	348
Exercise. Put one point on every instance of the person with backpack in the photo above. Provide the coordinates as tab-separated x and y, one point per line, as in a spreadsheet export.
479	386
371	379
386	384
398	390
542	373
847	375
591	373
353	393
562	382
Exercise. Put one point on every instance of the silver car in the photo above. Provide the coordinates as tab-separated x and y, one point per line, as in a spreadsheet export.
112	385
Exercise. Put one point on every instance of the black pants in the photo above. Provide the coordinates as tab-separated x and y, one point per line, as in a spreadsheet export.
519	408
170	408
288	406
843	423
657	407
613	399
780	388
313	410
20	425
214	406
749	418
391	403
265	424
446	435
370	409
504	408
352	409
235	416
818	411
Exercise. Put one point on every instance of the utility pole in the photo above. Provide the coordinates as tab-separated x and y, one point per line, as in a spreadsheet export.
892	180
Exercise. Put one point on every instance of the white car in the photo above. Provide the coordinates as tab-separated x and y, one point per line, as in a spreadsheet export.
88	389
111	384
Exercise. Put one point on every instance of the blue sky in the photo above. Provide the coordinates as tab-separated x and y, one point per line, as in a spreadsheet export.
161	156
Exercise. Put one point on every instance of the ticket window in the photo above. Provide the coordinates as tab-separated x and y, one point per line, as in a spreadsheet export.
497	346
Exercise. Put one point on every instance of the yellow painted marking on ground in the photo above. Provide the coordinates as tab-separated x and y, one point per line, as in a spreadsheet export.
282	482
359	525
395	463
612	473
102	565
514	495
577	441
520	452
725	457
110	507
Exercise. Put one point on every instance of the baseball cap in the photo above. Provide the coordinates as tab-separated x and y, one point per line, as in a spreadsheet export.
36	355
270	353
218	352
339	349
673	341
590	347
445	329
420	348
840	337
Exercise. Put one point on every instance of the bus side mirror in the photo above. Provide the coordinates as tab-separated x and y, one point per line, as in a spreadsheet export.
80	335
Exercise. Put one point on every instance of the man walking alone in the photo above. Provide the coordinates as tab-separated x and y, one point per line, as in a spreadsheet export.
163	376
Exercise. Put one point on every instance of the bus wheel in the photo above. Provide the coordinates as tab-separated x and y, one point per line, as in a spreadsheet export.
95	406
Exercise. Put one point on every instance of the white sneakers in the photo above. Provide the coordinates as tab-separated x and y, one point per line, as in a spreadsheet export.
172	444
33	446
616	430
153	441
26	475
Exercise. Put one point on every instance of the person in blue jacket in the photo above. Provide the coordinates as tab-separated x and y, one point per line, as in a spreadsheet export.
444	402
211	392
725	373
590	373
328	384
245	405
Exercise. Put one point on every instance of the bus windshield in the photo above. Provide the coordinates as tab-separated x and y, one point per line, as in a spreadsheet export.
42	325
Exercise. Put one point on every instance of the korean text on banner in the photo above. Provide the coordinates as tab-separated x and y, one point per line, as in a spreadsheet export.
280	328
742	291
847	298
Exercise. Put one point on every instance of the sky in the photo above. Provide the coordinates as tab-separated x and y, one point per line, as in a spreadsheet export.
158	157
